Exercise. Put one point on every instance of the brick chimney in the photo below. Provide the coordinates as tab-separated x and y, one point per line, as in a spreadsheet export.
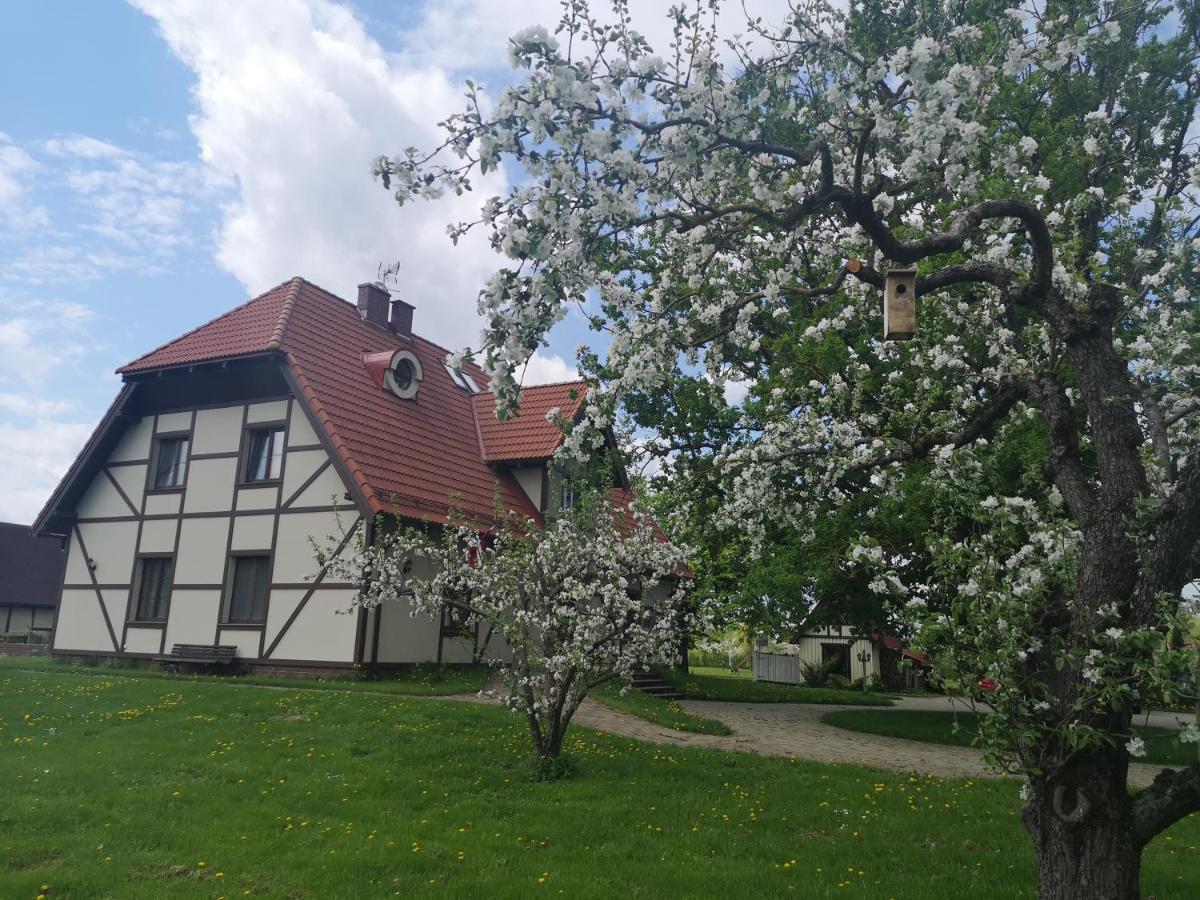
373	303
402	315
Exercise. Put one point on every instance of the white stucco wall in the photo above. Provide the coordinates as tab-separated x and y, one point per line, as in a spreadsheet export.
530	480
201	557
135	442
81	623
324	630
143	640
218	430
210	485
193	617
404	638
162	505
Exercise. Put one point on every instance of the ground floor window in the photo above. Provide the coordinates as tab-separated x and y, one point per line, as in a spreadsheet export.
249	583
153	588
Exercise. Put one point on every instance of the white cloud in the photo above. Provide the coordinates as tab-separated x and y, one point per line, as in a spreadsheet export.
118	211
294	101
143	205
546	368
465	36
736	391
40	338
29	349
34	458
24	405
17	167
82	146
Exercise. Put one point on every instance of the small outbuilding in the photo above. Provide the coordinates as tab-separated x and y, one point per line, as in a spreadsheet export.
31	572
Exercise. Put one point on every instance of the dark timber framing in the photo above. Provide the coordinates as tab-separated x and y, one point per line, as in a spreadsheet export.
316	581
167	420
87	563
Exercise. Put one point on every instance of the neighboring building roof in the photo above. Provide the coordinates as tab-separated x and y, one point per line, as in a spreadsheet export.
529	435
423	458
31	568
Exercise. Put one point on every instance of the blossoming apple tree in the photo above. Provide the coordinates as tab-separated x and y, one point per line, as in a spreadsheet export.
591	598
1037	164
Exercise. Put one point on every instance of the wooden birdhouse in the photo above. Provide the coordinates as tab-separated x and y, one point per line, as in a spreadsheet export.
900	304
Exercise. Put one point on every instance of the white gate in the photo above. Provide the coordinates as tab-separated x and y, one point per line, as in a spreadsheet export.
783	668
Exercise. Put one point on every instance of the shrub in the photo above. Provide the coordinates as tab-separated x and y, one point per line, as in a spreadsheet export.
818	674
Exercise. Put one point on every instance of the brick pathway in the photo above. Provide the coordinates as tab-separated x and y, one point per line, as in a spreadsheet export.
796	730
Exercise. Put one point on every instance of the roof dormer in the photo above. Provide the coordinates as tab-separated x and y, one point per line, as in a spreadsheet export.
398	371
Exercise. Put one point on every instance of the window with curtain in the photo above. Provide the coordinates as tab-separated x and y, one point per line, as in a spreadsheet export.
264	459
154	588
248	587
170	462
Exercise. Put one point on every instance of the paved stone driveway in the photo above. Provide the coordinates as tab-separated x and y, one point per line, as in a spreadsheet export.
796	730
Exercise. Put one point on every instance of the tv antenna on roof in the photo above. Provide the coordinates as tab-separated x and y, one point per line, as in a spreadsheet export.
389	274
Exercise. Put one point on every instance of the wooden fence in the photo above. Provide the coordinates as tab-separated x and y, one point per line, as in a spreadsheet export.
783	668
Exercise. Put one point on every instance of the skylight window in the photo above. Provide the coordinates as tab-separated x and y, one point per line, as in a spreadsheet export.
461	378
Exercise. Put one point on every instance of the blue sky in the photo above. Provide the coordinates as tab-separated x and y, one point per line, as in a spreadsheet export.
162	160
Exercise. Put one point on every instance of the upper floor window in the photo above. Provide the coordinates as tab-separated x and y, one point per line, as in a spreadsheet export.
248	587
264	461
170	462
153	588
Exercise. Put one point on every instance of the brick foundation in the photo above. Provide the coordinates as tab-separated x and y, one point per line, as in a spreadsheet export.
24	649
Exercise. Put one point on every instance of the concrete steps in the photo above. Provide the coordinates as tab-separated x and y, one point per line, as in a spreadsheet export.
649	683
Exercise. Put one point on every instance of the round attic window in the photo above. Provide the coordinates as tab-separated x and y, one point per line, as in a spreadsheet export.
404	375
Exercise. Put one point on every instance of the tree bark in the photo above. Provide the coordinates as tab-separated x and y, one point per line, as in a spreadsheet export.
1083	827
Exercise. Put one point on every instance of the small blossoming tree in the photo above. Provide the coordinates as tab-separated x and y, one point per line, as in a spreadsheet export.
1037	163
591	598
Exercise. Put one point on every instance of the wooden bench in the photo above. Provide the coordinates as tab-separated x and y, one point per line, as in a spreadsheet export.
204	656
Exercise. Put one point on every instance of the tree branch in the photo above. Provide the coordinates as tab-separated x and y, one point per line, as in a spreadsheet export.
945	277
1173	795
1064	462
861	211
1169	564
980	424
1156	425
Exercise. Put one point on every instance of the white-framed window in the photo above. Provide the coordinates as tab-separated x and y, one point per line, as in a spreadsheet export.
170	462
264	454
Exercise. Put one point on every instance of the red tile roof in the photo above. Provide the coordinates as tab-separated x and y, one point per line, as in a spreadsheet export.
529	435
417	458
254	327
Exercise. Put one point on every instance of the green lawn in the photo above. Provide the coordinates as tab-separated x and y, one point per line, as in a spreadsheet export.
414	680
120	786
696	686
721	672
1162	745
667	713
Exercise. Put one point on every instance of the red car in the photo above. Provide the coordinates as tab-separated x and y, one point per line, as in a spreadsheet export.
988	686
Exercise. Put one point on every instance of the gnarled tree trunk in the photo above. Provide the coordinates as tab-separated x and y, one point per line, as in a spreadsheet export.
1083	827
